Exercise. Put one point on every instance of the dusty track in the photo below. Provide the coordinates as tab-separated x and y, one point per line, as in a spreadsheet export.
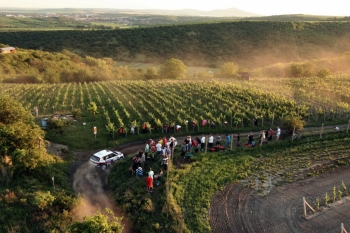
240	210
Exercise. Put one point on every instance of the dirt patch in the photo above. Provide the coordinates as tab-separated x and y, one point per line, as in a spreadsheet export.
236	209
56	149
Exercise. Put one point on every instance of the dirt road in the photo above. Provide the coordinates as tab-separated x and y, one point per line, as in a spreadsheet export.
239	210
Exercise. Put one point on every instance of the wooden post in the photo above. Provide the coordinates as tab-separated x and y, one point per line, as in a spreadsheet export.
262	121
321	130
206	144
293	133
342	228
242	123
231	140
306	204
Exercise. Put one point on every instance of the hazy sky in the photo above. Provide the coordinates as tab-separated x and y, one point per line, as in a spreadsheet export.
263	7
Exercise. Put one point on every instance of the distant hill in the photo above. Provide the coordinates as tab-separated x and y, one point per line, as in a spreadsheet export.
231	12
249	43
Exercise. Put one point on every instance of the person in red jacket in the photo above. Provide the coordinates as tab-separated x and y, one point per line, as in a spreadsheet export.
149	183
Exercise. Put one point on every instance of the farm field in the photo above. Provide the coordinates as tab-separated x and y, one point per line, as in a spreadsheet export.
183	201
126	103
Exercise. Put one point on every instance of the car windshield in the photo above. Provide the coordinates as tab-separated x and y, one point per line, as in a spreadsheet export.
95	158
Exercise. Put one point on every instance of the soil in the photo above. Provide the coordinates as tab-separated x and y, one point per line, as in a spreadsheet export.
236	209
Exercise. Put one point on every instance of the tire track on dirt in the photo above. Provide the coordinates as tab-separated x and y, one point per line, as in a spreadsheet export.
281	210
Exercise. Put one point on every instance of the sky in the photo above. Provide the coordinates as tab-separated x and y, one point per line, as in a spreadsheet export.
262	7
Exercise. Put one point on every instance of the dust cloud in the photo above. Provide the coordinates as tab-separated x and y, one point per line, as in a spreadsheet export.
90	183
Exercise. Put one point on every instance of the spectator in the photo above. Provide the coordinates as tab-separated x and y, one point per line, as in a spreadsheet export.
147	151
165	163
255	122
203	142
121	131
211	141
139	171
189	143
142	160
270	134
144	128
183	149
228	140
149	183
159	176
278	135
178	127
252	144
167	151
193	124
165	141
132	129
218	140
153	151
151	173
159	149
238	138
250	138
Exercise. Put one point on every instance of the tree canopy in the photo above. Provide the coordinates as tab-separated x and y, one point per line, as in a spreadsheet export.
173	69
20	137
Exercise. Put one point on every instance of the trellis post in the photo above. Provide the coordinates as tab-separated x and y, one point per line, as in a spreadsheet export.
321	130
342	228
306	204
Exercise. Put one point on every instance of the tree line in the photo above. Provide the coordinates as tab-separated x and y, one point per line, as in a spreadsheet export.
210	44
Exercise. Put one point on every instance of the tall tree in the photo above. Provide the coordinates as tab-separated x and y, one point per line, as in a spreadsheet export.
21	139
173	69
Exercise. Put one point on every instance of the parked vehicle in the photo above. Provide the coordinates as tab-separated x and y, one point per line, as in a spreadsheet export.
104	158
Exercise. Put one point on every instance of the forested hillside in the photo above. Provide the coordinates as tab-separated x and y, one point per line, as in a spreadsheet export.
246	43
35	66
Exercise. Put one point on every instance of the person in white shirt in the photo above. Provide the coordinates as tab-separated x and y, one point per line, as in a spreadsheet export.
151	173
278	135
159	148
336	128
203	142
211	141
132	129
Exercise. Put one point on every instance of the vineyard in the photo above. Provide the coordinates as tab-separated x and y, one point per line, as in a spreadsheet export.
231	105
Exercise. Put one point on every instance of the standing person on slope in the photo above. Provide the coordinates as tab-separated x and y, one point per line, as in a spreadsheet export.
211	141
278	135
202	142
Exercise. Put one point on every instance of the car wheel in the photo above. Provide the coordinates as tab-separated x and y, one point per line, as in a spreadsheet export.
103	167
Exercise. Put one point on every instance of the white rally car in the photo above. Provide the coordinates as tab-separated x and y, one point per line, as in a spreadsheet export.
104	158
